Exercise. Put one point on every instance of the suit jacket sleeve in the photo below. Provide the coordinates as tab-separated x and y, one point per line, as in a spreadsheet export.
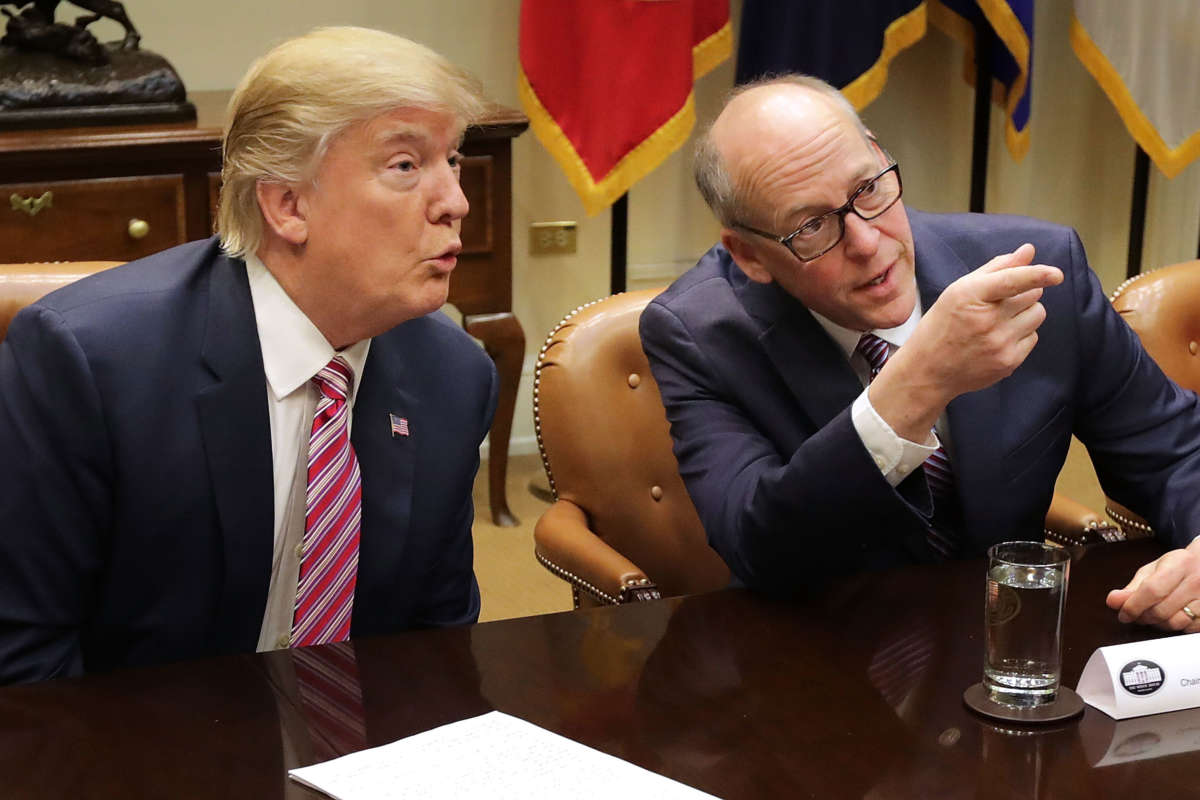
56	503
765	511
1141	429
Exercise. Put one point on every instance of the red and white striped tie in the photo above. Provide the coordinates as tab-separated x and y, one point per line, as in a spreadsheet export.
331	699
329	568
938	473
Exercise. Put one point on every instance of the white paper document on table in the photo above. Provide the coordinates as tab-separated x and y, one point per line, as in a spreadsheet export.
492	756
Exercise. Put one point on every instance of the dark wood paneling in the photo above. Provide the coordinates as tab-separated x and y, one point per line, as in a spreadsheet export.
476	180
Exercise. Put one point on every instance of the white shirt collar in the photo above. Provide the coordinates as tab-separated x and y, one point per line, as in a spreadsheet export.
293	349
847	339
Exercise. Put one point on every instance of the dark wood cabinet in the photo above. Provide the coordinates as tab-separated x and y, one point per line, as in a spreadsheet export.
119	193
118	218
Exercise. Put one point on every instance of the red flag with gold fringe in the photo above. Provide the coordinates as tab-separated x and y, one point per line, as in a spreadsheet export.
607	84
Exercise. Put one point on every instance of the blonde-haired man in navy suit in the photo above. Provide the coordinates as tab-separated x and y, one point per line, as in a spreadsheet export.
159	421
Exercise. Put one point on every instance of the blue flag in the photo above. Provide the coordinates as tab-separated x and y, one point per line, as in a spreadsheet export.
1009	26
848	43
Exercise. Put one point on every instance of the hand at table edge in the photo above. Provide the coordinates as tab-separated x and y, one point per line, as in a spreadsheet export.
1159	590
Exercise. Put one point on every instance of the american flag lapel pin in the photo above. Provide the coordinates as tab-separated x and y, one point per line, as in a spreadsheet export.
399	425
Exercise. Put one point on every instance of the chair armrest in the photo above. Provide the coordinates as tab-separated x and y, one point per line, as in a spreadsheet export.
565	545
1134	525
1071	523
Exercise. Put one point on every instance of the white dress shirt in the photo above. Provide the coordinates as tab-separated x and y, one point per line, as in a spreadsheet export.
293	351
895	456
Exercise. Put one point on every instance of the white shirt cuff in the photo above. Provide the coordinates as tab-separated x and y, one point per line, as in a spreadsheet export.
896	457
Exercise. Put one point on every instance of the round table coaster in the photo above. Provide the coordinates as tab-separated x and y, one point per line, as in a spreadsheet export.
1068	704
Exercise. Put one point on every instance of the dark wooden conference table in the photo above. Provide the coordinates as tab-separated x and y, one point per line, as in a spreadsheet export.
856	693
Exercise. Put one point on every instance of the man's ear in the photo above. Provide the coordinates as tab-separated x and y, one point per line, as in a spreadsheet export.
746	256
283	210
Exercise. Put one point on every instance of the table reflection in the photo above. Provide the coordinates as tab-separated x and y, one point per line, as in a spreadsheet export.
1109	741
727	703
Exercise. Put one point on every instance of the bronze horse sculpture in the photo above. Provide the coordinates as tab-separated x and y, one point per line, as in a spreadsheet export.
57	74
110	9
34	28
36	22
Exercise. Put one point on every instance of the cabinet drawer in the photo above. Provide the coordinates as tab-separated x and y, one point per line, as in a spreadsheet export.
91	219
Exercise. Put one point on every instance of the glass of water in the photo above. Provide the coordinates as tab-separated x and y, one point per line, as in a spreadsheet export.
1026	593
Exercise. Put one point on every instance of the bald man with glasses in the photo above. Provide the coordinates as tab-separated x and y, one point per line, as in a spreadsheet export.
854	385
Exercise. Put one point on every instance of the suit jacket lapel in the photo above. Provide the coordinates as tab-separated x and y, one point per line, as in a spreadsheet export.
811	364
235	429
387	461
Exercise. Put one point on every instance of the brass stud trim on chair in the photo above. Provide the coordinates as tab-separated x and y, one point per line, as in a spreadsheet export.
1094	533
640	591
537	383
576	582
1127	523
1125	284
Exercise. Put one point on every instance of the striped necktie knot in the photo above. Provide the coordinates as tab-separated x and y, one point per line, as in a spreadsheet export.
334	379
875	351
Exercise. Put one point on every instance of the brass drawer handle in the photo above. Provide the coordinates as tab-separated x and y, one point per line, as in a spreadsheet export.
31	205
138	228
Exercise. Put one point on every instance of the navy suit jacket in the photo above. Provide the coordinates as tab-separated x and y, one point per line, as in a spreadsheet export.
136	516
758	397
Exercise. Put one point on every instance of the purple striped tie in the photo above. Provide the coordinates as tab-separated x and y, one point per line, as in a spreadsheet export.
938	473
901	661
329	567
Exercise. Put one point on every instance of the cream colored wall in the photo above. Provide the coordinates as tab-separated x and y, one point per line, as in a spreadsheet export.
1078	171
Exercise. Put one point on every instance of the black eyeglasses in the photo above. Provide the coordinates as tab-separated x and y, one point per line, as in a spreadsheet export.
819	235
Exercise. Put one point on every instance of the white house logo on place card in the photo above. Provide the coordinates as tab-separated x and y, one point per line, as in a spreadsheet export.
1142	677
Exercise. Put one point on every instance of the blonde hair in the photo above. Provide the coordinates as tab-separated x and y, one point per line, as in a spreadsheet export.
708	167
298	97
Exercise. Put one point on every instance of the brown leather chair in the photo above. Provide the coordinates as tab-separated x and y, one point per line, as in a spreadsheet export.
1163	308
22	284
622	527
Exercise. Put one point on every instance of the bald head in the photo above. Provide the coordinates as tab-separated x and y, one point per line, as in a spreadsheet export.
757	120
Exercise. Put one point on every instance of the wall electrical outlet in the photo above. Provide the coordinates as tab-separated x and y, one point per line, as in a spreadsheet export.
552	238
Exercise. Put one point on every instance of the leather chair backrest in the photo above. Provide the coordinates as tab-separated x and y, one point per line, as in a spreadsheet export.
22	284
606	445
1163	308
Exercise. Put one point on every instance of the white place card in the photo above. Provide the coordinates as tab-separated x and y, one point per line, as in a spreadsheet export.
1139	678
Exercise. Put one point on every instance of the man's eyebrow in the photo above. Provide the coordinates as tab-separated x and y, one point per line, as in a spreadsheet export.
415	136
402	136
863	175
866	173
